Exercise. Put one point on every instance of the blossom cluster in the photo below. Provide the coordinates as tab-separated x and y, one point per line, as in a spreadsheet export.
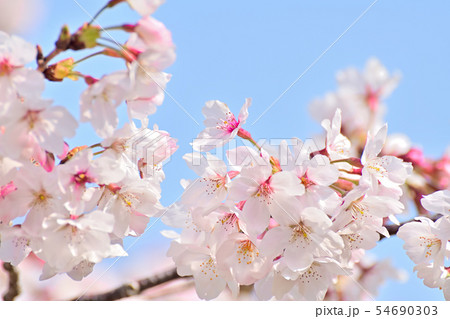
427	242
288	220
295	220
361	96
73	208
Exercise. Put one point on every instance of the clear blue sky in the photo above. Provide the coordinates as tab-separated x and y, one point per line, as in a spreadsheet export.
230	50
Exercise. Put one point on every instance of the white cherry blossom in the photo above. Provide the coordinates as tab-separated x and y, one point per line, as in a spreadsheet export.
426	240
68	240
437	202
210	189
145	7
35	123
15	79
390	171
306	237
99	101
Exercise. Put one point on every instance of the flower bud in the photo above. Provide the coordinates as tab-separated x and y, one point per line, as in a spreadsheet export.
58	71
63	41
85	37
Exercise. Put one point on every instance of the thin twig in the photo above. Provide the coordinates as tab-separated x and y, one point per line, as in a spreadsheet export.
132	289
13	288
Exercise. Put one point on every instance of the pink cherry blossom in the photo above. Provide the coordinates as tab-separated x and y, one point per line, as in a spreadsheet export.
265	195
36	124
221	125
15	78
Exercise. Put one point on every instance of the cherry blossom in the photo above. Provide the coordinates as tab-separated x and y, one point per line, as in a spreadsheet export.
265	195
240	256
68	240
99	101
132	202
212	187
337	145
200	262
151	35
221	125
148	85
390	171
438	202
34	123
145	7
15	79
82	170
426	240
360	95
293	220
307	236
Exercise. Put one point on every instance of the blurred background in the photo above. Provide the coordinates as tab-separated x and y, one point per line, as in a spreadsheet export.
230	50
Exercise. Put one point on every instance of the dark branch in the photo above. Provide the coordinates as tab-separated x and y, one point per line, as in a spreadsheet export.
13	288
393	229
134	288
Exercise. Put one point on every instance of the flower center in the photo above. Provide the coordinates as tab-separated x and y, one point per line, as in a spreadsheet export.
247	252
264	189
213	183
229	124
300	232
372	98
32	117
81	178
5	67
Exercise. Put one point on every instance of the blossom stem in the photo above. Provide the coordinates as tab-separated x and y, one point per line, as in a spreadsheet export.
46	60
127	54
108	40
352	161
134	288
106	6
247	136
13	288
115	27
350	180
88	57
95	145
99	152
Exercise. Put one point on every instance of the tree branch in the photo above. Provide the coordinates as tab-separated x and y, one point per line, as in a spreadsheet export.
133	288
393	229
13	288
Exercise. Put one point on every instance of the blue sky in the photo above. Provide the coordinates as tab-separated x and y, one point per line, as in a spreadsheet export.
230	50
